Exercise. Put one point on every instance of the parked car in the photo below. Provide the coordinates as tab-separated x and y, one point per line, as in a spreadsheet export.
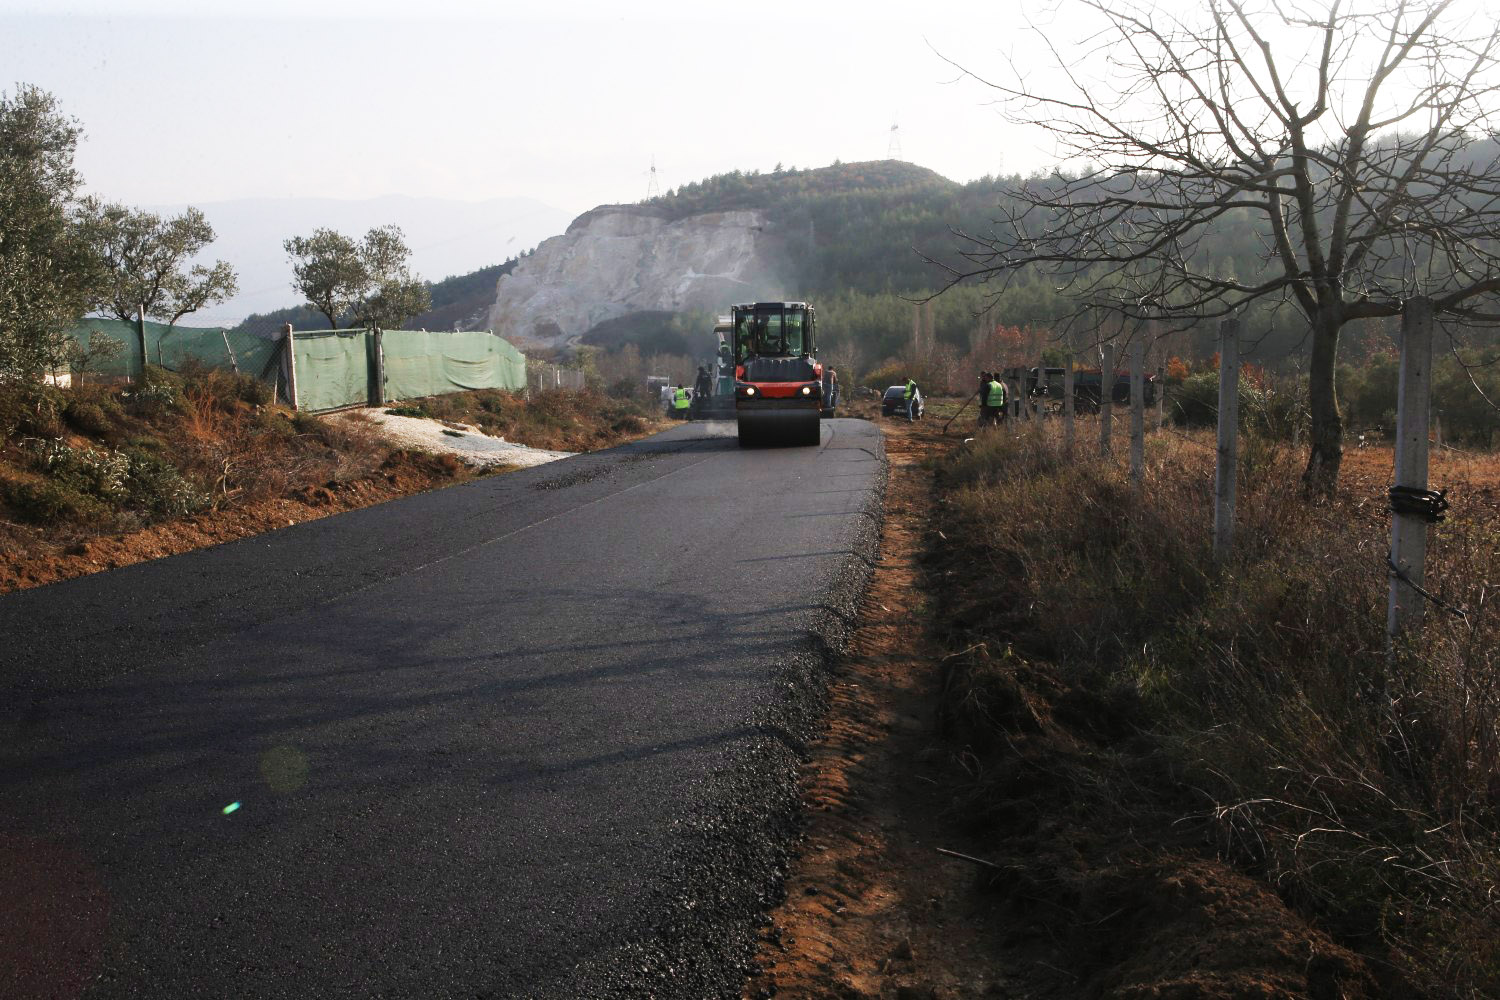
894	402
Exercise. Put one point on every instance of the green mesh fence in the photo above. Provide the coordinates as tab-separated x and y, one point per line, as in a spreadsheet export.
423	363
334	368
173	346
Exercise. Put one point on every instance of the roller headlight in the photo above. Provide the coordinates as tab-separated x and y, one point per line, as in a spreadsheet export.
807	390
749	390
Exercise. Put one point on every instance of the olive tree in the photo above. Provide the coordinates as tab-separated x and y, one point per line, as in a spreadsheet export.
1356	139
148	261
49	273
366	282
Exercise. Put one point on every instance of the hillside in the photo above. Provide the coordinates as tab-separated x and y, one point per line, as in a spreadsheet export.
846	236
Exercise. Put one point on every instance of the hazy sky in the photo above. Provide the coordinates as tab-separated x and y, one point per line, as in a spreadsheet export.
568	102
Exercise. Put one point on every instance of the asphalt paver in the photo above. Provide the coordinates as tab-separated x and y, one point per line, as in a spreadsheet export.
531	736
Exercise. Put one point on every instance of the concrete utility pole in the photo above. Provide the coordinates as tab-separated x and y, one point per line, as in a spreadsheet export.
1106	398
1138	410
1227	465
1161	398
1409	530
1041	392
1068	404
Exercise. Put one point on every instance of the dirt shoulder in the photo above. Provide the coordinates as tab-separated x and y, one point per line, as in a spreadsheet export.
916	878
872	908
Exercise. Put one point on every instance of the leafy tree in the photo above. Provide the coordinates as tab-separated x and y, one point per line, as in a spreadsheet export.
147	260
1356	146
101	347
367	281
48	272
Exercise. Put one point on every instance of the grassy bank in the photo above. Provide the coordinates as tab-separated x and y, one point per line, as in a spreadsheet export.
1118	694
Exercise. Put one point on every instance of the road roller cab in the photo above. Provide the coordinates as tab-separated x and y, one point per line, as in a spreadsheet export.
779	385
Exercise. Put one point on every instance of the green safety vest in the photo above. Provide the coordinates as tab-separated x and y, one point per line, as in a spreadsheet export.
680	399
994	394
911	388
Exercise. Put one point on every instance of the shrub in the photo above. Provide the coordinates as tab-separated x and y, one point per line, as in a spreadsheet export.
29	410
134	480
87	417
1195	403
50	503
157	487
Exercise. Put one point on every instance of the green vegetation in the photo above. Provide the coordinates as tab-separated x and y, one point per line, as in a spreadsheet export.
49	272
365	282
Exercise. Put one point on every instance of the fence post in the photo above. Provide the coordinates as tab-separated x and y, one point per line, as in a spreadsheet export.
140	333
233	362
1409	531
1106	398
291	363
379	348
1138	409
1041	392
1227	464
1161	398
1068	404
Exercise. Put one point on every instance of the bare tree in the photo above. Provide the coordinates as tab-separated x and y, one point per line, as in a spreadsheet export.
1355	142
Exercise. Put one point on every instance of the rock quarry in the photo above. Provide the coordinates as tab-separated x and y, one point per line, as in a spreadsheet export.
618	260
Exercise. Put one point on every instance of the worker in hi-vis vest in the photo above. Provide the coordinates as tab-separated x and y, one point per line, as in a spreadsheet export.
681	400
992	410
911	399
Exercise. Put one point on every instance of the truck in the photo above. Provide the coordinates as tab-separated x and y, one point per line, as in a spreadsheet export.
781	390
1088	387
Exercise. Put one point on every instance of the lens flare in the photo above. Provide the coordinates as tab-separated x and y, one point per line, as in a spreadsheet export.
231	808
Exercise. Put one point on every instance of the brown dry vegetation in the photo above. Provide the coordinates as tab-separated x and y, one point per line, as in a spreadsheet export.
95	477
558	420
1146	732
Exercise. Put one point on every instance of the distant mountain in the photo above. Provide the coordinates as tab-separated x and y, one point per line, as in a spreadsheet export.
447	238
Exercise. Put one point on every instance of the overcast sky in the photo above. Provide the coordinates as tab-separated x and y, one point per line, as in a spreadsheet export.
567	103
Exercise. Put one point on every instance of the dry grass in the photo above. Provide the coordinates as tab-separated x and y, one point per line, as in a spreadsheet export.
1365	788
558	420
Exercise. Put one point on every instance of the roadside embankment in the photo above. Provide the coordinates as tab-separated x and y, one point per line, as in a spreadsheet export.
1208	776
97	477
1071	755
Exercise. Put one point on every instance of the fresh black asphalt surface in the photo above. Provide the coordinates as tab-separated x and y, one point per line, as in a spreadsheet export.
535	735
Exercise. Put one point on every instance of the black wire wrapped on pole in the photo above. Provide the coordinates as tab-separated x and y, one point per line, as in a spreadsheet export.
1429	505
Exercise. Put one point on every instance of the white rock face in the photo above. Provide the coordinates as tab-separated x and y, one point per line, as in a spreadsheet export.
612	262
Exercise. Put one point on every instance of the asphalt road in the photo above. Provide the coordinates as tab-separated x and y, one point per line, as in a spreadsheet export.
530	736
